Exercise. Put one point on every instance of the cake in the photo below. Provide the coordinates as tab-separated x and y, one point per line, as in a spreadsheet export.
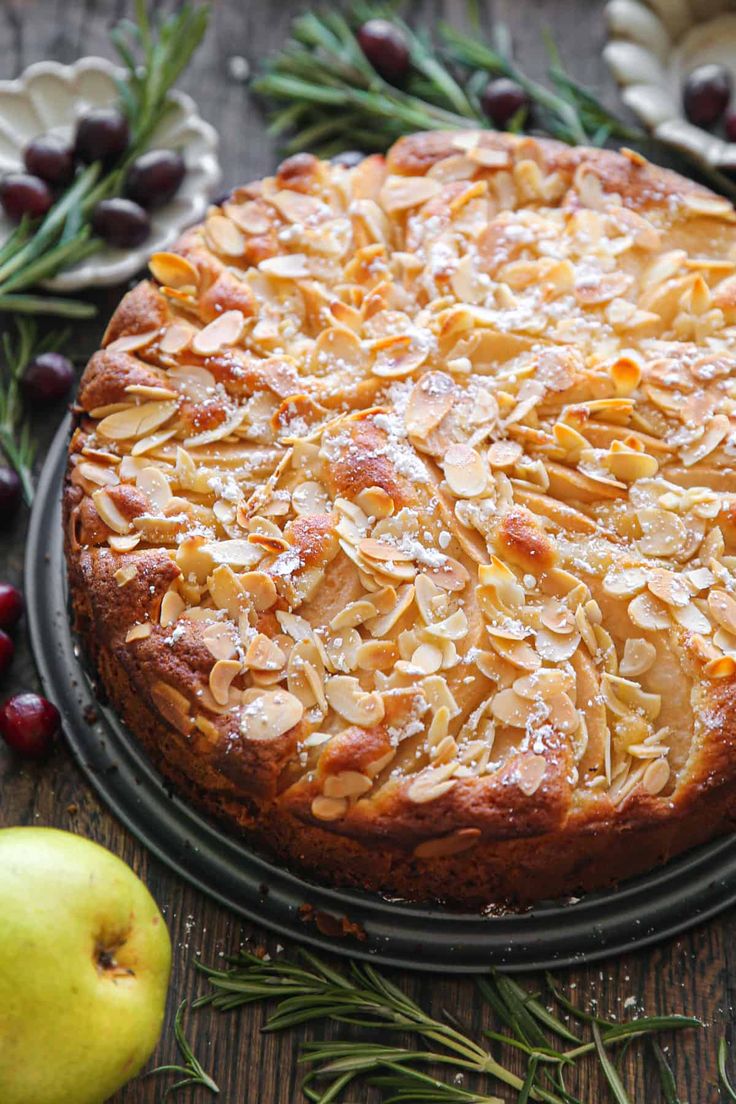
401	517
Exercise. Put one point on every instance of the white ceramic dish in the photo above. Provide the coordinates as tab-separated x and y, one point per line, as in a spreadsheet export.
49	97
652	47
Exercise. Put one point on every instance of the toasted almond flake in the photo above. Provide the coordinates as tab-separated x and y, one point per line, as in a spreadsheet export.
219	641
692	619
223	236
516	652
656	776
155	487
722	607
399	193
432	783
347	783
626	373
628	465
556	647
375	502
264	654
268	714
98	474
176	337
669	587
343	649
287	266
379	550
715	433
430	400
510	708
663	533
124	544
547	682
377	655
623	695
138	632
638	657
557	618
173	270
221	676
260	588
453	627
529	773
310	498
346	696
398	356
136	421
354	614
329	808
625	582
444	846
504	454
129	343
172	607
222	332
465	472
125	575
427	658
109	513
720	667
647	612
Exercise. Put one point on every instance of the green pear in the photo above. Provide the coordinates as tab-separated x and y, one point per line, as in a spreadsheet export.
85	959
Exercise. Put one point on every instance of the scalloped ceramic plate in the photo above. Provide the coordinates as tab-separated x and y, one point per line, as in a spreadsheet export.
48	97
653	46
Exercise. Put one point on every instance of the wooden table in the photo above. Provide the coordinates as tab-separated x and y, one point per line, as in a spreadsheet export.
696	973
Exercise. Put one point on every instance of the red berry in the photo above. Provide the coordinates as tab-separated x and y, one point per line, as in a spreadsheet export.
29	725
154	177
385	46
706	93
729	124
51	158
11	491
22	194
102	135
7	648
48	377
121	223
11	605
502	99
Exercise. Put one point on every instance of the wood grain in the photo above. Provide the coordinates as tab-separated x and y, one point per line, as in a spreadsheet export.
695	973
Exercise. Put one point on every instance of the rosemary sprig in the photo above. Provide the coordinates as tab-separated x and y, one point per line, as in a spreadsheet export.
15	434
192	1070
309	990
36	252
323	95
724	1081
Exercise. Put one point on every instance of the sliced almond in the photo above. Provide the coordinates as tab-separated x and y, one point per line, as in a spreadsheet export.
465	472
638	657
647	612
223	236
668	587
663	532
329	808
172	607
221	676
722	607
136	421
346	696
218	639
125	575
656	776
138	632
530	773
400	193
504	454
264	654
268	714
347	783
173	270
224	331
109	513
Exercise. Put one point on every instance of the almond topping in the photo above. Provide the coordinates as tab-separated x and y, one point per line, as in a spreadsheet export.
221	675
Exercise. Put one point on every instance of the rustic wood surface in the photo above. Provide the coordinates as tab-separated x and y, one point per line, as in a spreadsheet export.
695	973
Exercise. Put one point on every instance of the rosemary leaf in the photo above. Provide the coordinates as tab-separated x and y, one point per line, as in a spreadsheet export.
192	1070
609	1070
666	1076
724	1081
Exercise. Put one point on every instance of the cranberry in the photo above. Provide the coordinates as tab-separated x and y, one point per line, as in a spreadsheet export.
502	99
22	194
348	158
102	135
154	178
121	223
729	125
385	46
11	491
706	93
29	725
48	377
7	648
11	605
51	158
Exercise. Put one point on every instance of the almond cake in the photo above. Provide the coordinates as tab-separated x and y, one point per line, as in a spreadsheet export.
401	516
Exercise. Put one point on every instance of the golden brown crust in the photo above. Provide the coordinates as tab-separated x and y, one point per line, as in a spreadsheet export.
399	516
